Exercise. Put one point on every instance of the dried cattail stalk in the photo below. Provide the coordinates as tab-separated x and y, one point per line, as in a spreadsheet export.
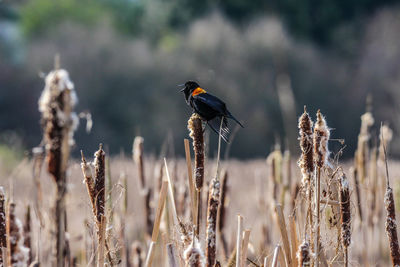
245	245
137	152
358	193
362	152
157	221
27	233
221	212
232	259
239	242
293	239
293	197
193	255
102	236
190	178
303	254
321	155
285	238
17	254
88	178
171	255
344	198
211	230
275	259
196	133
59	123
3	231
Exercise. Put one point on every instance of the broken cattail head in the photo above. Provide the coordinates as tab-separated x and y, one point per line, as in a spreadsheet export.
306	162
321	138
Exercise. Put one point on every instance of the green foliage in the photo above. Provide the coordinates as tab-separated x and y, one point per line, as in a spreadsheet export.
38	15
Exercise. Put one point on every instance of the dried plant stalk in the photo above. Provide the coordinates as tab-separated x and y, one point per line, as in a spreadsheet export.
87	174
282	227
102	237
293	239
246	239
137	152
150	254
303	254
3	231
160	207
344	198
275	258
358	193
221	212
190	179
367	121
211	230
239	241
196	133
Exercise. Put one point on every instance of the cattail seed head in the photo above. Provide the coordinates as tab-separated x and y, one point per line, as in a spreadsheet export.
321	137
344	198
391	227
304	255
99	167
193	255
196	133
18	252
212	211
306	162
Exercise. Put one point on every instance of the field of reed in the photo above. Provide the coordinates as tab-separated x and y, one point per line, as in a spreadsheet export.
294	208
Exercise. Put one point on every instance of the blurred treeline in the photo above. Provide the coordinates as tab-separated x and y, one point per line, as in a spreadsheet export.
265	58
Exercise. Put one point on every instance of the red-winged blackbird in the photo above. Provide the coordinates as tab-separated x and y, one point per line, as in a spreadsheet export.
209	107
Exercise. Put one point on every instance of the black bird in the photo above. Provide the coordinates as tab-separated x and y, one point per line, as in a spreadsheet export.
210	108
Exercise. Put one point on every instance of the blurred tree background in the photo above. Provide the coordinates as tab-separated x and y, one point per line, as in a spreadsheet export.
267	59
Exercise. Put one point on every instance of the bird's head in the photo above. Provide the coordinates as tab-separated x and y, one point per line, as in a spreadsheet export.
190	86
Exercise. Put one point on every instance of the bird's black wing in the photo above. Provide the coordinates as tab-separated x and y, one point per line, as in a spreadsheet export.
213	102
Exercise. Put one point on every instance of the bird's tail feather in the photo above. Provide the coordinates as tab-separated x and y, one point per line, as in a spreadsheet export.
236	120
215	124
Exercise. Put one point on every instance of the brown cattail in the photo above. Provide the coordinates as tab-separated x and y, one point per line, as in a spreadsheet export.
99	186
321	137
3	234
18	254
303	255
344	198
193	255
137	152
367	121
391	227
27	233
196	133
212	211
88	178
59	123
306	162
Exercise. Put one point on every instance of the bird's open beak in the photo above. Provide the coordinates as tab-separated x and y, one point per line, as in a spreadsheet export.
180	85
